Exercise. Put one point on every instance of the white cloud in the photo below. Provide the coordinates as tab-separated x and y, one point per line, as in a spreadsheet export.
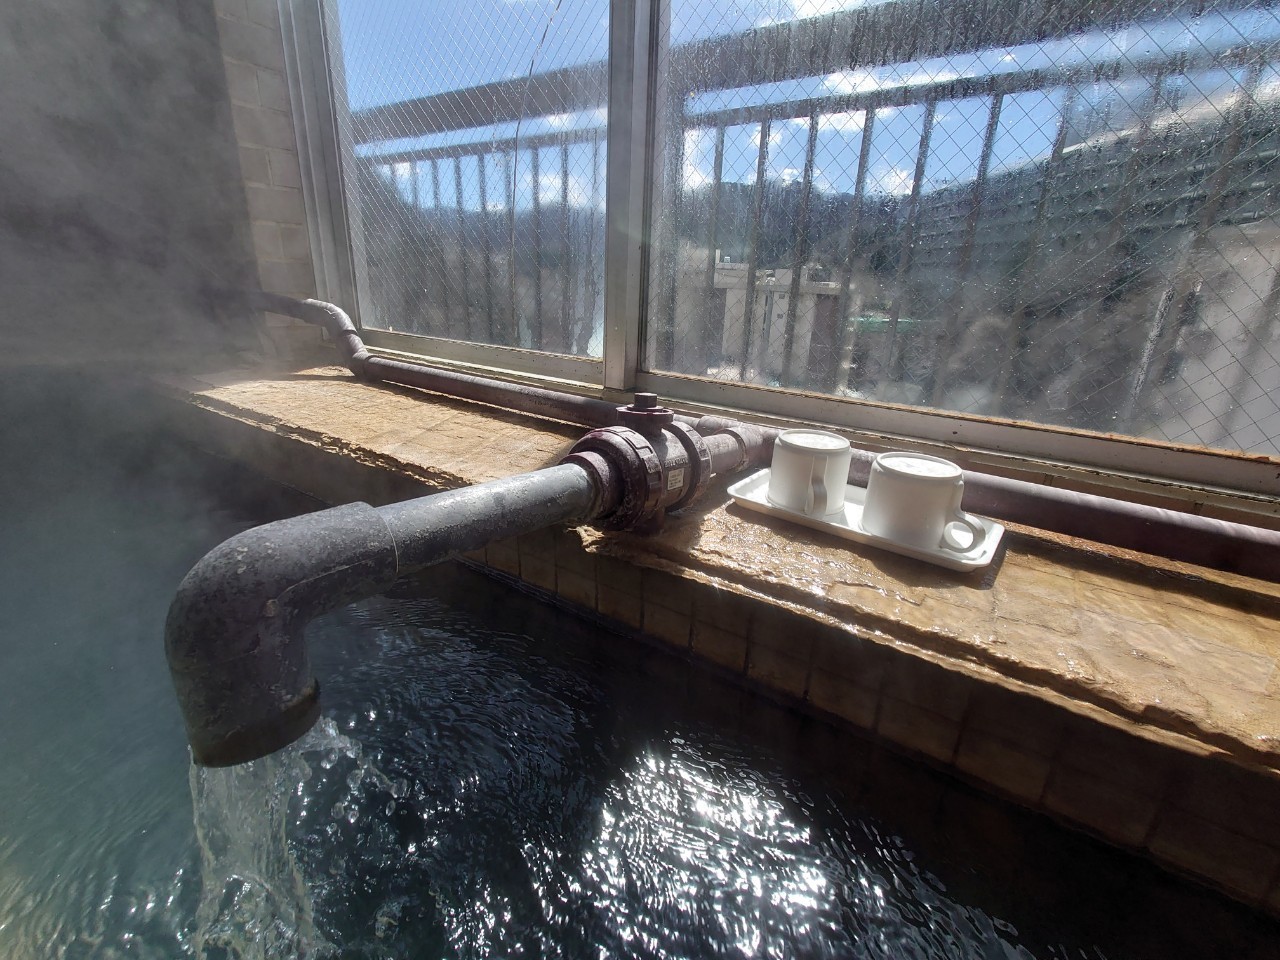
804	9
846	123
817	8
850	81
894	180
549	190
695	172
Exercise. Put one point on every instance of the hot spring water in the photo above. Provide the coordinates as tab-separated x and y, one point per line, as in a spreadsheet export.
491	778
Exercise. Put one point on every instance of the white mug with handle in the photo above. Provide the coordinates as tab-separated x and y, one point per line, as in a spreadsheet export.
810	471
914	499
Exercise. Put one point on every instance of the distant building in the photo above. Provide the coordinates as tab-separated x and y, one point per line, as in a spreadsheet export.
768	360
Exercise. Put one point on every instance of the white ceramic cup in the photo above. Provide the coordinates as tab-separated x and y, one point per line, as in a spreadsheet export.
914	499
809	472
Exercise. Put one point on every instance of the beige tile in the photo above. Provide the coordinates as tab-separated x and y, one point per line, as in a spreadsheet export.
1022	720
265	13
285	171
266	240
845	655
541	545
273	92
538	572
242	82
723	609
277	204
254	169
576	588
1244	801
288	277
1101	805
619	576
503	548
777	670
783	631
571	556
230	8
260	127
666	590
926	685
844	698
666	625
1243	866
508	561
295	244
250	43
1105	753
916	728
1002	764
623	607
724	647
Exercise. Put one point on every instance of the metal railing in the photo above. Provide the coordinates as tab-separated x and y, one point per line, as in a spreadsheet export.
1121	278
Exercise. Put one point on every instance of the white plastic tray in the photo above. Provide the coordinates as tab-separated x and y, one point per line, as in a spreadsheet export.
752	493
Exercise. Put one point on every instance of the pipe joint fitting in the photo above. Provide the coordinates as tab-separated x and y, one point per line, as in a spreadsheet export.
645	415
699	459
664	470
636	465
605	480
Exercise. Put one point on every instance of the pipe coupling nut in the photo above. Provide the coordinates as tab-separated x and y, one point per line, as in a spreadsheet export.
636	470
699	455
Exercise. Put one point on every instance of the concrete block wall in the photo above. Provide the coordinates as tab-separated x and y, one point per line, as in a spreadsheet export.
120	205
253	57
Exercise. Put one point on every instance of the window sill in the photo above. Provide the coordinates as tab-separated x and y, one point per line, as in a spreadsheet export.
1181	658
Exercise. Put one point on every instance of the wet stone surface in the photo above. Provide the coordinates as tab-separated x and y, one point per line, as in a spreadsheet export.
1172	652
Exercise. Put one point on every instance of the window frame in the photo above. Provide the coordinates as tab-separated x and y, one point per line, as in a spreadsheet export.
637	30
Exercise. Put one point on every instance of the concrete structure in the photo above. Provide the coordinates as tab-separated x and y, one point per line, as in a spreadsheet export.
770	309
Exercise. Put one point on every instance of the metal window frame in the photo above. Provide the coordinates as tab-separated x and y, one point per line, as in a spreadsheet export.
635	68
535	363
634	61
315	103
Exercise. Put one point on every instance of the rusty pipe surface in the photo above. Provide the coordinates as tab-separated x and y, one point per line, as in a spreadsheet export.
553	404
234	633
1217	544
1204	541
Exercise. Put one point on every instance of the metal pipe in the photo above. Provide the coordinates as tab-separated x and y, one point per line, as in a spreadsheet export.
234	634
1217	544
548	403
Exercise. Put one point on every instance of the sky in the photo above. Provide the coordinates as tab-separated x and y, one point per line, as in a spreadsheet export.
400	49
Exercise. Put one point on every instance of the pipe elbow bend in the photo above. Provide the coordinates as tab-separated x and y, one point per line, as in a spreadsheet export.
234	634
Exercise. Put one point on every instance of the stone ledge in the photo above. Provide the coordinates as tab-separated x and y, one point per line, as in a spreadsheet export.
1111	694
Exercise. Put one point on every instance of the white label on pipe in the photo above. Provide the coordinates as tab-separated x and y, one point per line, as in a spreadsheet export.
675	479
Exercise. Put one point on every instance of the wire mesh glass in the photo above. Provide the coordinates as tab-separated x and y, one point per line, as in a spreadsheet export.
473	152
1060	213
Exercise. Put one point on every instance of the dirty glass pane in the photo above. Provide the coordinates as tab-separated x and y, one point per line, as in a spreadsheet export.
1063	213
473	143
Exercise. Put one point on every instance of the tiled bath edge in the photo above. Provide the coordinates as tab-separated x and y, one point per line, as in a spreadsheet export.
1182	805
1174	801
